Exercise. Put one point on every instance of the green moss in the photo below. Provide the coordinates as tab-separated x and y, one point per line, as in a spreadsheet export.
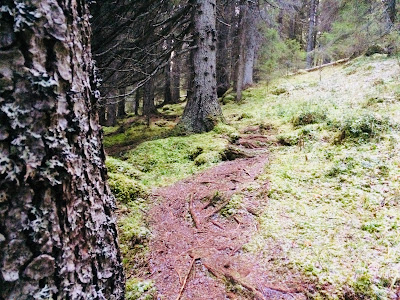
137	134
124	188
165	161
362	127
309	116
110	130
118	166
136	289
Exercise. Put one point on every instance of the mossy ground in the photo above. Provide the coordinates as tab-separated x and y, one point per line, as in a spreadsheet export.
333	204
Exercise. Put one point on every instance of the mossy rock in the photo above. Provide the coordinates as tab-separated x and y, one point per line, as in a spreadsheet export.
374	49
279	91
288	139
207	158
308	117
115	165
124	188
228	99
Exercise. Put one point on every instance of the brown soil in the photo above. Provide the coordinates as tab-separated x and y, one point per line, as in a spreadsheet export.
196	253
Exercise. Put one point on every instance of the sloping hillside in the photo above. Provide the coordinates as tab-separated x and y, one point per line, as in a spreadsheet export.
328	215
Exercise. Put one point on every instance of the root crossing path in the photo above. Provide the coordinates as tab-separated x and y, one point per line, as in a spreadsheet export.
195	252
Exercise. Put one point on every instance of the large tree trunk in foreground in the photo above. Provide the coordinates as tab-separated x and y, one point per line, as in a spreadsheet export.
203	110
58	238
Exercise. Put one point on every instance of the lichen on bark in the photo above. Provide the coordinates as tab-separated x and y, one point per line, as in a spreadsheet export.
58	236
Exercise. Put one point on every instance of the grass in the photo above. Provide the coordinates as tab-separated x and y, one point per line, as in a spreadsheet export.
333	212
334	202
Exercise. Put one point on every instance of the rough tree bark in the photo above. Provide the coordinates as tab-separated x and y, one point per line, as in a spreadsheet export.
58	238
202	111
311	32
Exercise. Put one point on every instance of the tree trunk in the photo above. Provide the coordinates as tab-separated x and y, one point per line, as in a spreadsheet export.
390	9
311	32
111	112
175	78
58	237
168	74
224	50
203	111
148	98
102	112
121	104
251	46
241	52
137	102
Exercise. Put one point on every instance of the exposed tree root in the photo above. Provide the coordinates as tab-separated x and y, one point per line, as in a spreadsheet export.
185	279
196	221
224	274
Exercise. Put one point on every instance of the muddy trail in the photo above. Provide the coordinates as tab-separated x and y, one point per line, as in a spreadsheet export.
196	253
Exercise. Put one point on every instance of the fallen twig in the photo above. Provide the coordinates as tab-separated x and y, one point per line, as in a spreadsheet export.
217	224
192	213
217	209
185	280
235	279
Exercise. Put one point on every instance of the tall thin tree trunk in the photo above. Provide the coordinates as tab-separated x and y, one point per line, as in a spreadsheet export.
251	46
175	78
121	104
203	111
390	11
241	52
102	111
168	83
149	107
111	112
58	237
311	32
137	102
224	50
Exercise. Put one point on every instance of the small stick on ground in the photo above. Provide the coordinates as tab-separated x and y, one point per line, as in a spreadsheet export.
192	213
228	275
217	224
185	280
216	210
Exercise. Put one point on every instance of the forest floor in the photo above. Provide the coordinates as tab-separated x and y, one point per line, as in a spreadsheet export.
296	197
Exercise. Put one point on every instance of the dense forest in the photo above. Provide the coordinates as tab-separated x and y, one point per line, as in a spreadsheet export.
199	149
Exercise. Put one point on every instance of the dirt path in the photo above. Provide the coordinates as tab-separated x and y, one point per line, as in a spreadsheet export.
195	252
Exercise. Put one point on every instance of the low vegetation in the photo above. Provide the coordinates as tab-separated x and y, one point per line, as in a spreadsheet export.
332	214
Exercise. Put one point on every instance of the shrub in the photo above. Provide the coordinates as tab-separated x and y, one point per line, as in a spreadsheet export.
309	116
362	127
